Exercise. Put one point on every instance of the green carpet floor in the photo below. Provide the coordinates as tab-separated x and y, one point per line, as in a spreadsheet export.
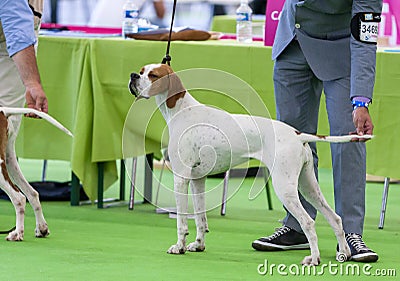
116	244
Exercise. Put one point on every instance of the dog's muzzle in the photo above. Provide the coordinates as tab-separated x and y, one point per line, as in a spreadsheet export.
132	84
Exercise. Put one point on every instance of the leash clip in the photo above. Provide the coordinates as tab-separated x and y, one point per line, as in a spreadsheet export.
166	60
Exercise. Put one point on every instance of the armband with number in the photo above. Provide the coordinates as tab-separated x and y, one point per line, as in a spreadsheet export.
364	27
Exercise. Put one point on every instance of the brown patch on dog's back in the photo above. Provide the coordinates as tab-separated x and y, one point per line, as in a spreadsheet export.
171	101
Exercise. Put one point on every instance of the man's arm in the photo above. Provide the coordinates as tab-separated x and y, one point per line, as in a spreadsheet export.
363	60
25	61
17	22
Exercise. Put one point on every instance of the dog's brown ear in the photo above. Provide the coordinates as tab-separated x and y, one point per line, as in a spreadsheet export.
176	90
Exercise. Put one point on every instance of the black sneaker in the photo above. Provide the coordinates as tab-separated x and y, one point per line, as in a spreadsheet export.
359	251
284	238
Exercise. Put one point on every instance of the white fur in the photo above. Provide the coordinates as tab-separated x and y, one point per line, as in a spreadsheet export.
205	141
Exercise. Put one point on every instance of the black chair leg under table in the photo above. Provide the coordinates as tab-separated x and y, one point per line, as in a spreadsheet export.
148	181
75	186
75	190
100	186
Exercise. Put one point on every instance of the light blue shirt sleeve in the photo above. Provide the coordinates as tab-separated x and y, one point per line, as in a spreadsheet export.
17	20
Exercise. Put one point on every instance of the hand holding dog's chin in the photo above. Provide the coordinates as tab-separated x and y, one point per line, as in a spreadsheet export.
363	122
36	99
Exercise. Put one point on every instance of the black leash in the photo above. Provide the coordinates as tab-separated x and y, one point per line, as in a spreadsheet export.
7	231
167	58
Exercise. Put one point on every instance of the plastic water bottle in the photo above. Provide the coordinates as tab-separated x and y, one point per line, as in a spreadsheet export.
243	23
131	16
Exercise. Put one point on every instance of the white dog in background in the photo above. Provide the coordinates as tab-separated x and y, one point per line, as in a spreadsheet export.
205	140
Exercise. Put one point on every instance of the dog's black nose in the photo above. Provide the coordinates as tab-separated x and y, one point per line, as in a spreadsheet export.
132	83
134	76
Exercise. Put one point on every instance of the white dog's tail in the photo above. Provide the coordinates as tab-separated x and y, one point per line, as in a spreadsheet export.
336	139
19	111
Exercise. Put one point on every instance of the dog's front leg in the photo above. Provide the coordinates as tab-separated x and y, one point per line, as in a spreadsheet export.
181	196
199	204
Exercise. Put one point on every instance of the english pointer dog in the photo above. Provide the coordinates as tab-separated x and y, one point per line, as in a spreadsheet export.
204	140
12	181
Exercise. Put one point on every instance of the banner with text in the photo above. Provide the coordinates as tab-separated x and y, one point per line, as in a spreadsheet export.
272	14
389	26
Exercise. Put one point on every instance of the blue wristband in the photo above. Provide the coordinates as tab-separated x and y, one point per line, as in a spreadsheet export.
357	103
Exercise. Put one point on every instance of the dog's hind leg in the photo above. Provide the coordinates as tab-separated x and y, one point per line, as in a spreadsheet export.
16	197
285	182
181	197
311	191
18	178
199	205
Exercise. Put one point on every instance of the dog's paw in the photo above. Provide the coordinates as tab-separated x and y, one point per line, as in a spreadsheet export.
196	247
42	231
15	236
176	250
308	260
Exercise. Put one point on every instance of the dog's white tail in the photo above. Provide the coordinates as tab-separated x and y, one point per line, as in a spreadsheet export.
336	139
18	111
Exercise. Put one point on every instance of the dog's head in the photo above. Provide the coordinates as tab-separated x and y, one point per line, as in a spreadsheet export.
157	79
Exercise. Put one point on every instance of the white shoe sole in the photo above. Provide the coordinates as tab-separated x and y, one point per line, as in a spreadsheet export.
265	246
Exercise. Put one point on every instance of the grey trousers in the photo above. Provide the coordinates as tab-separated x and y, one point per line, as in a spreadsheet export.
297	95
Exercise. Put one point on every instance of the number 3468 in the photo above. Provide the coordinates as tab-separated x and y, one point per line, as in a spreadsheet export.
368	28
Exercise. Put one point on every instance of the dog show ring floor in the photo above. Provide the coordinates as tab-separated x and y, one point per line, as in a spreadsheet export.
87	243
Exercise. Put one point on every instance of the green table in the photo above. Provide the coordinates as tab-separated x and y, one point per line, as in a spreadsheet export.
86	83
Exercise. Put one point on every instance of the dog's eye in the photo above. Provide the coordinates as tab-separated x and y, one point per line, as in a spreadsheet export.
151	75
141	72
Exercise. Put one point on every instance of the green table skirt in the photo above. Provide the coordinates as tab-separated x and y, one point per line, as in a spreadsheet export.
86	83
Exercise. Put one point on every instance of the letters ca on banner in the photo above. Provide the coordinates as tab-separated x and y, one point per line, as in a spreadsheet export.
272	15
